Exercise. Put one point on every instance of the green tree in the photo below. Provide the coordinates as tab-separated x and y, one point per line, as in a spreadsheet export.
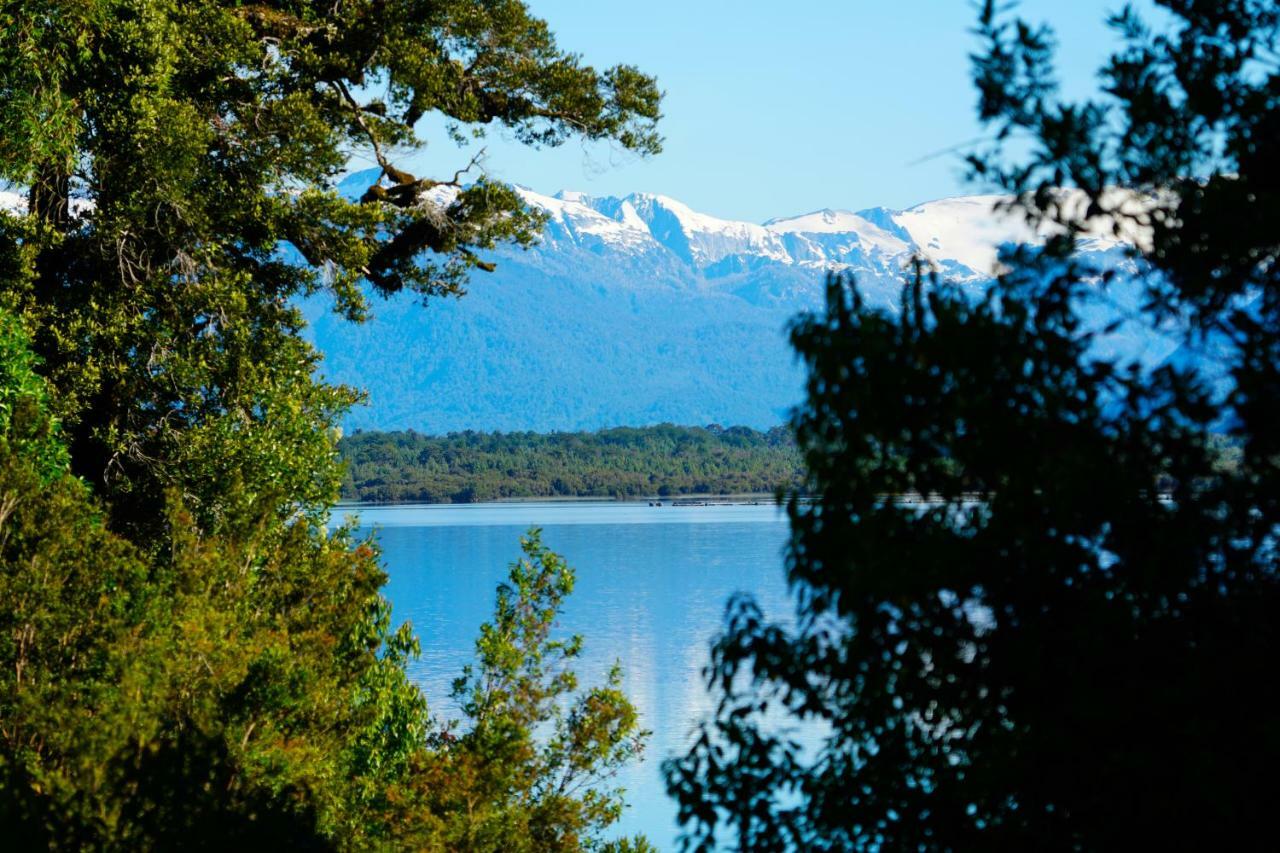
28	430
72	592
531	770
170	149
1070	646
142	705
196	658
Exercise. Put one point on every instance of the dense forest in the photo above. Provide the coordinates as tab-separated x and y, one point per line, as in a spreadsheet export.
659	461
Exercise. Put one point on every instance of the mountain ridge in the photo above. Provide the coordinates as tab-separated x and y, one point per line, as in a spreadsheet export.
637	309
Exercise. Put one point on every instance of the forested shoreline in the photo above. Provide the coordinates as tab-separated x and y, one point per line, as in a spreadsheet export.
654	461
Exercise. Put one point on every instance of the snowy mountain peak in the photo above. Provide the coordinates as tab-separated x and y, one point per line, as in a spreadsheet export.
641	309
965	231
818	222
962	235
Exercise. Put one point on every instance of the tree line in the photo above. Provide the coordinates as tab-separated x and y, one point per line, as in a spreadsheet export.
655	461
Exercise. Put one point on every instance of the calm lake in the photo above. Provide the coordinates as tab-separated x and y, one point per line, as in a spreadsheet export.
652	583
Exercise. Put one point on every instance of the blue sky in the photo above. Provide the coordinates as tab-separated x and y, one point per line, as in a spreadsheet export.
779	108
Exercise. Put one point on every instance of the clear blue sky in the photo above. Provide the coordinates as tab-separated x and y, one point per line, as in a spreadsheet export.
782	107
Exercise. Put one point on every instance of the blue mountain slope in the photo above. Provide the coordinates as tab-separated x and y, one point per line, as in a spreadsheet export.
527	350
639	310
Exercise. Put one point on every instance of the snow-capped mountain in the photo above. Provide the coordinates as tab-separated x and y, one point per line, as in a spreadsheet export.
639	309
959	233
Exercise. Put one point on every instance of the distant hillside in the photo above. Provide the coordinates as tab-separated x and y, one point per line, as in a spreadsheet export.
661	460
639	310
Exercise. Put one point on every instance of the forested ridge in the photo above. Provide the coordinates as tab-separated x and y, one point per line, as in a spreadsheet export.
663	460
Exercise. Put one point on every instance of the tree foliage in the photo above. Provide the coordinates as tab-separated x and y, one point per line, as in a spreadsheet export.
531	770
168	150
191	656
144	704
1081	657
28	430
622	462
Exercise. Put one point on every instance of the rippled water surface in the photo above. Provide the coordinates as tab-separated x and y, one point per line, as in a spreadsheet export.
651	589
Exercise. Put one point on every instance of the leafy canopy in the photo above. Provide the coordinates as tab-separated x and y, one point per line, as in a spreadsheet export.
531	770
178	157
189	654
1070	643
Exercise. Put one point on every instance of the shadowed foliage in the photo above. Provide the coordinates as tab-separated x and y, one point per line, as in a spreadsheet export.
1070	645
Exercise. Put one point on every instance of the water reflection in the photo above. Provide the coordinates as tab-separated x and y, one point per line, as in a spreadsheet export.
652	585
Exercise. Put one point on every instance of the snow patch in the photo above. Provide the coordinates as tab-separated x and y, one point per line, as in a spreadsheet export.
967	231
869	236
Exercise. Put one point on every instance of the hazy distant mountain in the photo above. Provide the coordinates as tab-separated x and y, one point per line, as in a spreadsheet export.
638	310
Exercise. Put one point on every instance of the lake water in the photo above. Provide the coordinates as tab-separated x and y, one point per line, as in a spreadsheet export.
652	583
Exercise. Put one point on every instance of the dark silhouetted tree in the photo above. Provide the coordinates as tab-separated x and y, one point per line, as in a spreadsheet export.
1071	644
